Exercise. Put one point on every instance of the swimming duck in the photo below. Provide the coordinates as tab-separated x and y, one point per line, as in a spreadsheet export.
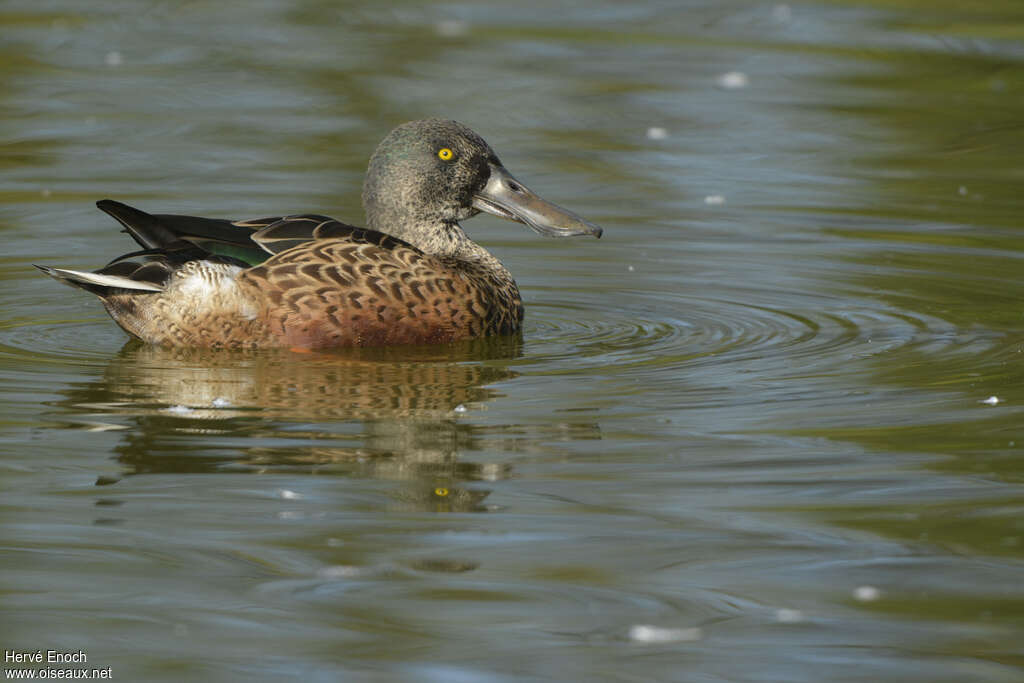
412	276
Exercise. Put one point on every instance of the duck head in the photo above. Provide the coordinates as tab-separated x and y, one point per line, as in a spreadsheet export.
426	176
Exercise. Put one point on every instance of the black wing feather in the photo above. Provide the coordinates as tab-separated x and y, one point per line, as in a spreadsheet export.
177	239
291	231
169	240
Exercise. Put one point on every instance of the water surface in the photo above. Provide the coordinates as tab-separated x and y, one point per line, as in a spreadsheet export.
746	436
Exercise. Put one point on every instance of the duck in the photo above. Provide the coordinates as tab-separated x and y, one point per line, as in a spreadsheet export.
307	281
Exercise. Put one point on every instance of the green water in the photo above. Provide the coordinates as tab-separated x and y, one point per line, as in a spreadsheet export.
746	436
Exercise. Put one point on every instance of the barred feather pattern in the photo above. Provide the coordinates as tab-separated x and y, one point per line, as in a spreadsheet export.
346	292
356	291
201	305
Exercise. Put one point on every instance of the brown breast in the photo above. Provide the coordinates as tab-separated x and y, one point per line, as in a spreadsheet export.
337	292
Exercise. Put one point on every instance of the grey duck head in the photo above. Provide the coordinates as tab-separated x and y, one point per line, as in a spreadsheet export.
426	176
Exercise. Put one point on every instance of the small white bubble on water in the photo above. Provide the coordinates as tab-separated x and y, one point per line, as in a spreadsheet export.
335	542
290	514
451	28
178	410
714	200
866	593
789	616
962	190
992	401
631	269
733	80
289	495
220	402
104	427
113	58
460	408
643	633
656	133
491	472
338	571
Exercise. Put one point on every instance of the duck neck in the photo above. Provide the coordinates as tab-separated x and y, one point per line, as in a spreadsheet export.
444	239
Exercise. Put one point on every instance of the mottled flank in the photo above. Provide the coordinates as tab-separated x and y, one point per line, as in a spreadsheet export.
326	293
354	293
310	281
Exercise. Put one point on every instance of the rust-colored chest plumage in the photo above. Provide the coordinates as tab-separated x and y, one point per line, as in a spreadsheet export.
343	292
364	289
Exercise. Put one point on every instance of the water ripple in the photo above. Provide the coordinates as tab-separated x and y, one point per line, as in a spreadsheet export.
59	342
656	331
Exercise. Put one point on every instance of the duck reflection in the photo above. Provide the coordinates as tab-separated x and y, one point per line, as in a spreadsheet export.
395	414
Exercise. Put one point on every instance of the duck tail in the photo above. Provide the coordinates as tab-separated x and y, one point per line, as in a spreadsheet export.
99	284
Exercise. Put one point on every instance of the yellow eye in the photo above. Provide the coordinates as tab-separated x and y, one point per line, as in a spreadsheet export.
440	490
445	154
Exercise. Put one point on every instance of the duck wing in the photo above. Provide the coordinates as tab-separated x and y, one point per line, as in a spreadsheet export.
290	231
185	238
170	240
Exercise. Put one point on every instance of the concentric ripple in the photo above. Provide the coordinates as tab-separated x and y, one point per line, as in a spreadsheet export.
688	345
73	342
637	329
649	333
